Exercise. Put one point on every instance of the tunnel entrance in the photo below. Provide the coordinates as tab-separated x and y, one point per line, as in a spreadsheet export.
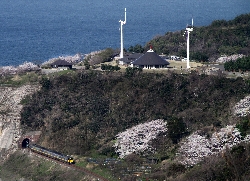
25	143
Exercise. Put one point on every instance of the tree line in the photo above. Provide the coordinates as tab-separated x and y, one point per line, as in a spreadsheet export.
206	43
241	64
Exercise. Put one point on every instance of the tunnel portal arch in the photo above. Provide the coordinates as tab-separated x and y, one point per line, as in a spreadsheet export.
25	143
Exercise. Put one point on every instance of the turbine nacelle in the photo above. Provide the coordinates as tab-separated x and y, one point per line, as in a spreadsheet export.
189	29
123	22
190	26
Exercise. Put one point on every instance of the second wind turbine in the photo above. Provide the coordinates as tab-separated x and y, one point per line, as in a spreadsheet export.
122	23
188	30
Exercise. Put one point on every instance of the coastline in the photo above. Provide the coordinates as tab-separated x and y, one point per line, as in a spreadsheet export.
28	66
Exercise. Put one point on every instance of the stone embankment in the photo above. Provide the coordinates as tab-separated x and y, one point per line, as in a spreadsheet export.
11	70
242	108
224	59
10	109
71	59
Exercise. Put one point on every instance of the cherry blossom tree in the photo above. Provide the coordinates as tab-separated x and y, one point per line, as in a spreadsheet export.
137	138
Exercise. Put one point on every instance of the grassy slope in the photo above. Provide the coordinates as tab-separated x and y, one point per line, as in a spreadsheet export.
21	165
83	111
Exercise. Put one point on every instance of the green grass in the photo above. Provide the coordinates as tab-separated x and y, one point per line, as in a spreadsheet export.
62	72
44	168
20	79
104	173
20	165
81	164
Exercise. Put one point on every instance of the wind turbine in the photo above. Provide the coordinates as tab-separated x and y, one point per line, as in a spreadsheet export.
188	30
122	23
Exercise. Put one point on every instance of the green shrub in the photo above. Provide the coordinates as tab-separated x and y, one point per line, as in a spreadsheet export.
243	126
176	129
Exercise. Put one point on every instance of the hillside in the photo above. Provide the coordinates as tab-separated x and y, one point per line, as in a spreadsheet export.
81	113
137	124
93	103
209	42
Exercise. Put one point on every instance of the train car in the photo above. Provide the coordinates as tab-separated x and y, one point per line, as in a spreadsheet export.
51	154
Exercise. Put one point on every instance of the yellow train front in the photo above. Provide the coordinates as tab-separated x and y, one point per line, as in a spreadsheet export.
51	154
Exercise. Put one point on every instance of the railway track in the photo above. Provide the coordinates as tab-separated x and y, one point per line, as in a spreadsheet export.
75	167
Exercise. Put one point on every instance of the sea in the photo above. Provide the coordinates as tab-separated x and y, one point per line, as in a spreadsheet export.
38	30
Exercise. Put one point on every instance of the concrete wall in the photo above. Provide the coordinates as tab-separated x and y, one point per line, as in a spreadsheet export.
1	128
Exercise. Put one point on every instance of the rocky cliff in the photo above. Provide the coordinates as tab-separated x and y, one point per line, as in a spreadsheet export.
10	108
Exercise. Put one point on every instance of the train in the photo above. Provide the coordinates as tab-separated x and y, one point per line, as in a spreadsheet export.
51	154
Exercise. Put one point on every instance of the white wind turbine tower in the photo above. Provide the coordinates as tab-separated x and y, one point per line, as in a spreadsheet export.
122	23
188	30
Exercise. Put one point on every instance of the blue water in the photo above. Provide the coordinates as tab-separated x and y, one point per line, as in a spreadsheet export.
38	30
